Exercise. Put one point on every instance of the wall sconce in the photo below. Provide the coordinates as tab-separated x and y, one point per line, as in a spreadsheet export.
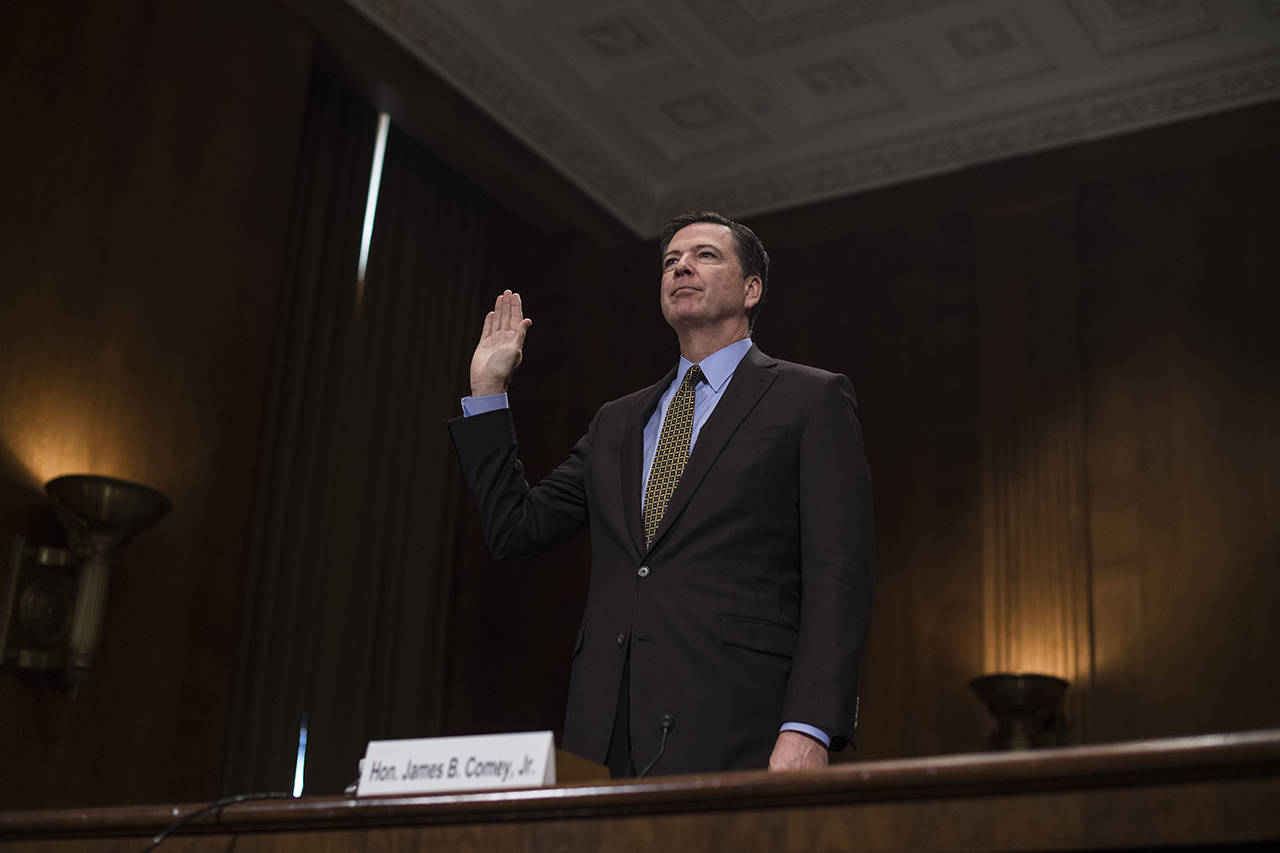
56	601
1026	708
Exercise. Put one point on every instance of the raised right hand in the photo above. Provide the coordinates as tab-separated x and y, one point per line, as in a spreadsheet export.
501	346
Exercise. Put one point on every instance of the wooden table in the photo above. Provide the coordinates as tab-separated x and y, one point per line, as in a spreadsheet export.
1215	789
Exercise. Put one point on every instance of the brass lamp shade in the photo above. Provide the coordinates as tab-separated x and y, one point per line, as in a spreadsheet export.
104	508
1026	708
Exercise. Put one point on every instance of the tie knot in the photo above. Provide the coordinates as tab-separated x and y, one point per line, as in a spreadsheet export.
693	376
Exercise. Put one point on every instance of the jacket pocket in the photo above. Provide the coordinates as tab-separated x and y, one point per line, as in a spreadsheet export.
757	635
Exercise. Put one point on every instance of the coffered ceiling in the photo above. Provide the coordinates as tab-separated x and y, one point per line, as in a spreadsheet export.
747	106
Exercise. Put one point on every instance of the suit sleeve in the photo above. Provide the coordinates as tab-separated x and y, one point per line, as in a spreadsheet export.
519	519
837	552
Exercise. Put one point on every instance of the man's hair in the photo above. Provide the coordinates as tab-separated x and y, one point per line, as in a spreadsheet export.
752	257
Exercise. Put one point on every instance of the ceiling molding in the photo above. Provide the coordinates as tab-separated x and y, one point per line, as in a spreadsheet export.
1103	115
501	92
757	26
751	106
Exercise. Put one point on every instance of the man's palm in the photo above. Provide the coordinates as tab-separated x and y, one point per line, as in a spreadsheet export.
501	346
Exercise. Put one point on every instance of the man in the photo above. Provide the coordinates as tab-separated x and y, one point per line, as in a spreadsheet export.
731	530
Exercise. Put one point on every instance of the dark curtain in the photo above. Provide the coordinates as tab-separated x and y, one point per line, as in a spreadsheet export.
441	249
356	537
287	552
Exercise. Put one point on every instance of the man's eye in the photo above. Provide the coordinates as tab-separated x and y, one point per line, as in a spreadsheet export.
668	262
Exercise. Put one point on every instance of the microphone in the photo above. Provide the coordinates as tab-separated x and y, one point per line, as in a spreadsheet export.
667	721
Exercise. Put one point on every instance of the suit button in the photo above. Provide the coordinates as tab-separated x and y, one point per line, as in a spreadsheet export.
643	571
622	638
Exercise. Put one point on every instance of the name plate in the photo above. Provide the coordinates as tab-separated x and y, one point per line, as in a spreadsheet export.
422	765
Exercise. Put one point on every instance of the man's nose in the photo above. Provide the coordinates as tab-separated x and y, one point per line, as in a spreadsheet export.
682	265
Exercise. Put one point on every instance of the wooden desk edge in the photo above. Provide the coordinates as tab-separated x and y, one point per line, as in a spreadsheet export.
1153	762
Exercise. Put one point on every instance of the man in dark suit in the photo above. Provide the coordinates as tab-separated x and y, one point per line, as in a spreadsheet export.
731	530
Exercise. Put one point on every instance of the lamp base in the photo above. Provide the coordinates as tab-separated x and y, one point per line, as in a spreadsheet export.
1026	707
36	618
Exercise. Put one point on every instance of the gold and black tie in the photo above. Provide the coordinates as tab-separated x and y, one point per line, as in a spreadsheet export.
672	452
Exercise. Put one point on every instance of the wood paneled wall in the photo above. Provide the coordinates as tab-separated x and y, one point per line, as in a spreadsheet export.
148	165
1067	367
1180	271
1035	562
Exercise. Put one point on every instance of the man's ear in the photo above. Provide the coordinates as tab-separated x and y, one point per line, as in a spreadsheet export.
754	286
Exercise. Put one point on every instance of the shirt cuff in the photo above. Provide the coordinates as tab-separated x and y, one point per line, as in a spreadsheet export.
487	403
812	731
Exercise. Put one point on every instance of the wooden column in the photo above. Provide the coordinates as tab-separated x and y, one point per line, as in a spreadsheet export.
1035	564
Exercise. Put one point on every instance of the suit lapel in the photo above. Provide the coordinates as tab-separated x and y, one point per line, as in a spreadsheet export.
752	378
633	460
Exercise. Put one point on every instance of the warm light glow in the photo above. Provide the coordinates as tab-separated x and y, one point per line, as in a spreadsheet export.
1035	574
49	432
1040	648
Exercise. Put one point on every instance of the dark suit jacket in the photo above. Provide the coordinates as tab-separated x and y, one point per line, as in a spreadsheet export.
751	607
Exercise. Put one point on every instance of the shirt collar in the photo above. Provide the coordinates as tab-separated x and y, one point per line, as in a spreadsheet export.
718	367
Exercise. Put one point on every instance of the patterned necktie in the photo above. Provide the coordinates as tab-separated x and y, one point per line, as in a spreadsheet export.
672	452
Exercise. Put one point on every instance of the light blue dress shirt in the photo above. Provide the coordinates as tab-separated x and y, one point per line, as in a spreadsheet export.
717	370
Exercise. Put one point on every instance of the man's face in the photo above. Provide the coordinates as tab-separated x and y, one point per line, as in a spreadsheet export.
702	281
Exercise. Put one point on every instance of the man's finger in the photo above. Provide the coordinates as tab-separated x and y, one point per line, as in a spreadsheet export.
503	307
517	310
488	325
511	319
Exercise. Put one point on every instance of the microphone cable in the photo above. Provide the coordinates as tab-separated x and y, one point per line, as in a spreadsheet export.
214	806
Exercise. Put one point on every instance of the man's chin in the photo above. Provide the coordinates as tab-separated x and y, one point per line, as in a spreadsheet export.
683	317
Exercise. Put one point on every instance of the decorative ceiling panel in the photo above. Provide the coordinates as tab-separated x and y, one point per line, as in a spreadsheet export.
1117	25
685	125
833	87
758	105
755	26
613	49
980	52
